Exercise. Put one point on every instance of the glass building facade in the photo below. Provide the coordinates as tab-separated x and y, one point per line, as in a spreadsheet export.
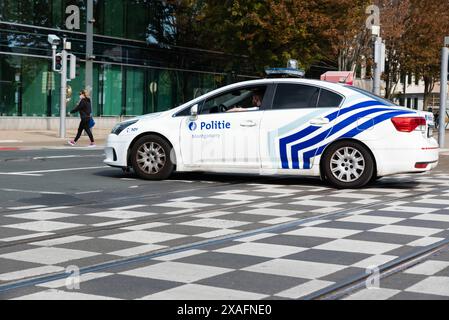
136	71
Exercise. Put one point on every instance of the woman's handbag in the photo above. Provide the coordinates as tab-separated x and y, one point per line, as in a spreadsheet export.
91	123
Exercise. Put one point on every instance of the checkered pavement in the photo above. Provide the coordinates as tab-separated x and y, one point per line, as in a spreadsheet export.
288	263
429	280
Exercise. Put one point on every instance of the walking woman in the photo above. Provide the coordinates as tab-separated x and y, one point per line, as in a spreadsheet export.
85	110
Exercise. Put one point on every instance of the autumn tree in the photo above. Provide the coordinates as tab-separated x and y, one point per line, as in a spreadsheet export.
393	17
273	31
347	33
426	27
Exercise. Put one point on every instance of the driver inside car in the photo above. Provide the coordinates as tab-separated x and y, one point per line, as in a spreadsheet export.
256	102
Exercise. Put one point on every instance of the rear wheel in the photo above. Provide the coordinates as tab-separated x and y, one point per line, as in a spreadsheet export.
348	164
150	158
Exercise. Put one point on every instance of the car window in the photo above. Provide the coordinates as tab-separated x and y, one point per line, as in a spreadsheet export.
372	96
295	96
184	113
245	99
329	99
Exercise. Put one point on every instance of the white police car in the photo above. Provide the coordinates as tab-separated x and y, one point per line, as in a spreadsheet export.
279	126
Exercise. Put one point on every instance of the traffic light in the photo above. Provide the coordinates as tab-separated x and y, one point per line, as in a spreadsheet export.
58	62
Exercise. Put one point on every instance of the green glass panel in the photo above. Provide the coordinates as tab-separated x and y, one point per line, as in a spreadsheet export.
57	14
165	91
112	90
113	18
10	10
34	95
134	92
9	86
136	19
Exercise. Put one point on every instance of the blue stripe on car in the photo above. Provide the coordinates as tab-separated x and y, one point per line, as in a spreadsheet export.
311	129
351	134
338	127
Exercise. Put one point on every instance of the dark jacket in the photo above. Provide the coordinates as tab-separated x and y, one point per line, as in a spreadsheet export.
84	108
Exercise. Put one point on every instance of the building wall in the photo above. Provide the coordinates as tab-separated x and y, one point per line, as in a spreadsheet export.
133	54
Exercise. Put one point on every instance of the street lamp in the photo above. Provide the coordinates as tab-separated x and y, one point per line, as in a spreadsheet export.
443	92
60	64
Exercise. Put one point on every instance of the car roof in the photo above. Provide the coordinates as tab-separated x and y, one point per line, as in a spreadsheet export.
319	83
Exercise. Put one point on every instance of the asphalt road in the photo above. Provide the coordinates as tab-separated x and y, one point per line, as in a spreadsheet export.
74	177
199	235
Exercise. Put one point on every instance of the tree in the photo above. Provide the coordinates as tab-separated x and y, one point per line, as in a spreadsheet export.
348	34
427	24
273	31
393	15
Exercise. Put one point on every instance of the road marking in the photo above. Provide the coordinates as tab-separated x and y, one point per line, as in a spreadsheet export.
88	192
66	157
27	207
130	207
31	191
39	173
19	174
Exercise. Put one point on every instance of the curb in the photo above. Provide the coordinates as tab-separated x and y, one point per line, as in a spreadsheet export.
31	148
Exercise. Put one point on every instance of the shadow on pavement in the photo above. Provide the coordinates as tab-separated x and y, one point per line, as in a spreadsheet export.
385	183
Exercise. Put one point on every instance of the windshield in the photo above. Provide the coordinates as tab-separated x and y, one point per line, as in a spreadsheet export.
372	96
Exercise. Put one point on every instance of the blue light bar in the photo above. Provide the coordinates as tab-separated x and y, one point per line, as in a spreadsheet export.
285	72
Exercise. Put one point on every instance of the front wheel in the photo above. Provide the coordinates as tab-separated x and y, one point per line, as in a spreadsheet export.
150	158
348	165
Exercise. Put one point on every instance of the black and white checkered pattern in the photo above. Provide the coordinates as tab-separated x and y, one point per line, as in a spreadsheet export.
288	263
428	280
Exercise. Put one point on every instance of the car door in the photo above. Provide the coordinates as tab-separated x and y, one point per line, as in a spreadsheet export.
219	138
300	118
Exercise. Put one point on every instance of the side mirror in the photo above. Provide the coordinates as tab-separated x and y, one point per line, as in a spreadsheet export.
194	112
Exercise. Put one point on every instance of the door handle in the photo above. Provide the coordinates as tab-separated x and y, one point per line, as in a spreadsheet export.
319	121
248	124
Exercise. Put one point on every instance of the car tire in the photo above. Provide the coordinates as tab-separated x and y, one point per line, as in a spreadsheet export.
150	158
348	165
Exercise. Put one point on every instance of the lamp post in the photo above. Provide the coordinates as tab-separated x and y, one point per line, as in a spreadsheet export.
89	45
60	65
443	92
378	56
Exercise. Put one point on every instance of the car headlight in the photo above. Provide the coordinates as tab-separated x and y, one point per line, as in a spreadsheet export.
122	126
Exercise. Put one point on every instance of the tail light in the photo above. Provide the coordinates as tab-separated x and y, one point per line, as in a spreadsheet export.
409	124
422	165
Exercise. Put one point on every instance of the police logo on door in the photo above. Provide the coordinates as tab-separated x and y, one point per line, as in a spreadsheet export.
192	126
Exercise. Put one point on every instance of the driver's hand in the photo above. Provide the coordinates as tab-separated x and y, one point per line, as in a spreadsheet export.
236	109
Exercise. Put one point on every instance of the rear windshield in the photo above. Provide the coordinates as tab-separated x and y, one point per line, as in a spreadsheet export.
372	96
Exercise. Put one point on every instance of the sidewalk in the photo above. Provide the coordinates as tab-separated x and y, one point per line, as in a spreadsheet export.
36	139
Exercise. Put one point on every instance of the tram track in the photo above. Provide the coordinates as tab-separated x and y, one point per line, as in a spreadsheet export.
164	218
333	291
138	221
359	282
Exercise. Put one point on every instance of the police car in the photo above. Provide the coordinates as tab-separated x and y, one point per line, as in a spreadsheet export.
279	126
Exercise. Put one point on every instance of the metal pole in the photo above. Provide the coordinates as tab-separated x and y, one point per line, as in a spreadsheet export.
89	44
378	65
63	109
443	96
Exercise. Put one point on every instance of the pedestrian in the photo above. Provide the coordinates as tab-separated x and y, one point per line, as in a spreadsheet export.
84	108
